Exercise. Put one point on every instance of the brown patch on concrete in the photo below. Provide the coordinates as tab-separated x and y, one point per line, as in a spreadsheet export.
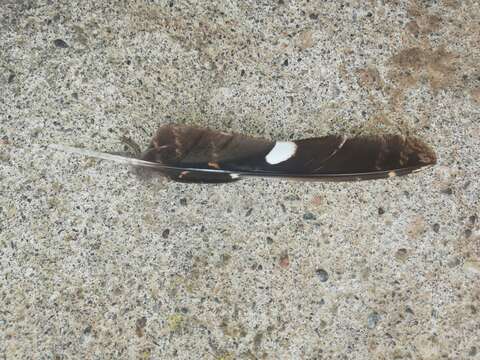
369	77
424	25
475	94
403	80
305	40
416	228
468	246
413	28
412	58
440	66
432	23
409	66
428	22
421	63
455	4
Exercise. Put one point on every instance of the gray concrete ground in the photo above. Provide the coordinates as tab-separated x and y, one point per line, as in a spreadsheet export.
96	263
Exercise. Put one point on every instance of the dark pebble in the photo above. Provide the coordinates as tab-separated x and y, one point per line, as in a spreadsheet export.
401	254
183	201
140	326
313	16
447	191
468	233
269	240
59	43
436	227
249	212
11	77
285	63
473	351
473	219
453	263
165	233
309	216
292	197
242	73
381	211
322	275
142	322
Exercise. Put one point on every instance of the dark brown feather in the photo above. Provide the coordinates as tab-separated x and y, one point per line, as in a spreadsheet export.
204	155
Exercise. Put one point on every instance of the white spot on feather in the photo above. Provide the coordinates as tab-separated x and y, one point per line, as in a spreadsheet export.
282	151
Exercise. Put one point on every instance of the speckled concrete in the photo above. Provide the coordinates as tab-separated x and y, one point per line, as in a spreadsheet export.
96	263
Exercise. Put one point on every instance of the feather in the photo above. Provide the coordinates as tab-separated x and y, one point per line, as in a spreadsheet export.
191	154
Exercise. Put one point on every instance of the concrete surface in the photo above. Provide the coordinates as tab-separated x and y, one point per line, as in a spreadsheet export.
96	263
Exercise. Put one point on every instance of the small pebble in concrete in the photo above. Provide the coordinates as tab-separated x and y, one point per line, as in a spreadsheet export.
373	320
322	275
309	216
447	191
473	351
401	254
59	43
284	261
140	326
